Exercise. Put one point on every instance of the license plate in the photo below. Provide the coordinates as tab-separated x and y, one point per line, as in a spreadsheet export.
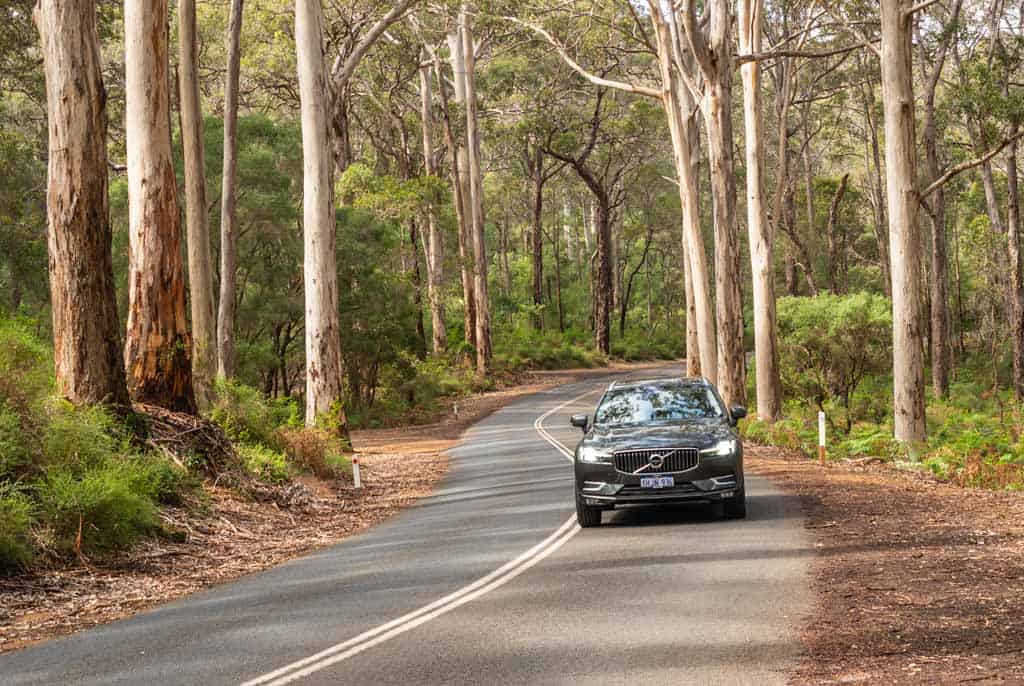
657	482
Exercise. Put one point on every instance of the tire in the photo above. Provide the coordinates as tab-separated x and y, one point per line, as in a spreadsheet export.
737	507
586	515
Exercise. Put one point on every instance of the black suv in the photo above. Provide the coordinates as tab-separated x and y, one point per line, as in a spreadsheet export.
659	442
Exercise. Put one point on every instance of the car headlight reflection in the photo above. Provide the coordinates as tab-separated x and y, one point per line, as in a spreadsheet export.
590	454
721	449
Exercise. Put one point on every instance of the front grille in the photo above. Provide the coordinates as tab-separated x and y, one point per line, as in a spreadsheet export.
673	460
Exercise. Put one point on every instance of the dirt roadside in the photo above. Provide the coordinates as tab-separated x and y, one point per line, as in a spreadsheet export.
231	536
917	581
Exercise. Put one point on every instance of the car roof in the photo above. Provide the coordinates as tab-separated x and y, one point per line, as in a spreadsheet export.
663	381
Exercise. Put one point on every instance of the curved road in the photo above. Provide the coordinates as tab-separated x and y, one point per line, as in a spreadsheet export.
487	580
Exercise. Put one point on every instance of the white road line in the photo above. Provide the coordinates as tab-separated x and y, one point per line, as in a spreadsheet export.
499	577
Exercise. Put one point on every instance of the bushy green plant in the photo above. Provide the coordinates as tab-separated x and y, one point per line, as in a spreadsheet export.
80	438
263	462
247	416
103	504
829	344
318	451
16	510
25	365
15	452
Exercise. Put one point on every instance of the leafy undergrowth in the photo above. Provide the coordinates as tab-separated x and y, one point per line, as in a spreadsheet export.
78	483
975	437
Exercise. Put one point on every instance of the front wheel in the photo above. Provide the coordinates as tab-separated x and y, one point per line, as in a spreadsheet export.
586	515
737	507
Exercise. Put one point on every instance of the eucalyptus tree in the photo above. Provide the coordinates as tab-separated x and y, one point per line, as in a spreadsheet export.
229	199
197	223
158	346
86	332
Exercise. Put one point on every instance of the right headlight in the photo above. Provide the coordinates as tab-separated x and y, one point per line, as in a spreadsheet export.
721	449
592	454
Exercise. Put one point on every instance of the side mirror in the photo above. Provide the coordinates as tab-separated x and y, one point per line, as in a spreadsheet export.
580	420
738	412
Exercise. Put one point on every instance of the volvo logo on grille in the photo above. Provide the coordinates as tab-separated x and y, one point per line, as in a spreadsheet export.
657	461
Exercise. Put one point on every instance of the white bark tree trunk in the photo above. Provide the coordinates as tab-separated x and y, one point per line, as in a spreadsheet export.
197	223
433	242
323	339
460	185
89	366
476	205
904	233
158	346
769	389
228	202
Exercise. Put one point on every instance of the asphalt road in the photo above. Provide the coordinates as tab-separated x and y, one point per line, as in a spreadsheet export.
487	581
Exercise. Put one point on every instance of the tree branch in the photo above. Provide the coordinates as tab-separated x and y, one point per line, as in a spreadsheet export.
593	78
813	54
970	164
918	7
343	70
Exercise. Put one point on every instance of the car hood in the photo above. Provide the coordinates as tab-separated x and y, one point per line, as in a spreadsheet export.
698	434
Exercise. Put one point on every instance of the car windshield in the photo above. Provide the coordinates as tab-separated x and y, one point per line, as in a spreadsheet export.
657	404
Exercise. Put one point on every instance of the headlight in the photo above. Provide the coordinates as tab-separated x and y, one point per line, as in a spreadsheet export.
590	454
721	449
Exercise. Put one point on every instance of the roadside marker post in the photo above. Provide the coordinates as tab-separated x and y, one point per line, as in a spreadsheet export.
821	438
355	473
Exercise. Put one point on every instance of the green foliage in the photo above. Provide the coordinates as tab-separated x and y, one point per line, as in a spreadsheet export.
80	438
15	452
829	344
263	462
101	504
25	365
16	514
247	416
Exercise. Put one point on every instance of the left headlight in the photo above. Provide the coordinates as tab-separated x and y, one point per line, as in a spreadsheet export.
591	454
721	449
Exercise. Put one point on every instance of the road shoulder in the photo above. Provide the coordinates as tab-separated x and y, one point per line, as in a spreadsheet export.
916	581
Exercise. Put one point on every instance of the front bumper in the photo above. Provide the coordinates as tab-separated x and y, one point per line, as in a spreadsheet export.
713	480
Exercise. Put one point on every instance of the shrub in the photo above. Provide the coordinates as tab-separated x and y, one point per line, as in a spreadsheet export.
247	416
15	455
264	463
161	480
315	450
15	530
102	503
79	438
25	365
829	344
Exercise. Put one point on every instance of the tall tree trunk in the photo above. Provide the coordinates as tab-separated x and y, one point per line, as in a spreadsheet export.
1016	283
417	290
904	234
89	366
228	201
197	223
537	172
323	338
679	105
158	346
603	277
460	182
939	334
766	354
712	49
433	240
558	282
834	243
874	165
476	193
